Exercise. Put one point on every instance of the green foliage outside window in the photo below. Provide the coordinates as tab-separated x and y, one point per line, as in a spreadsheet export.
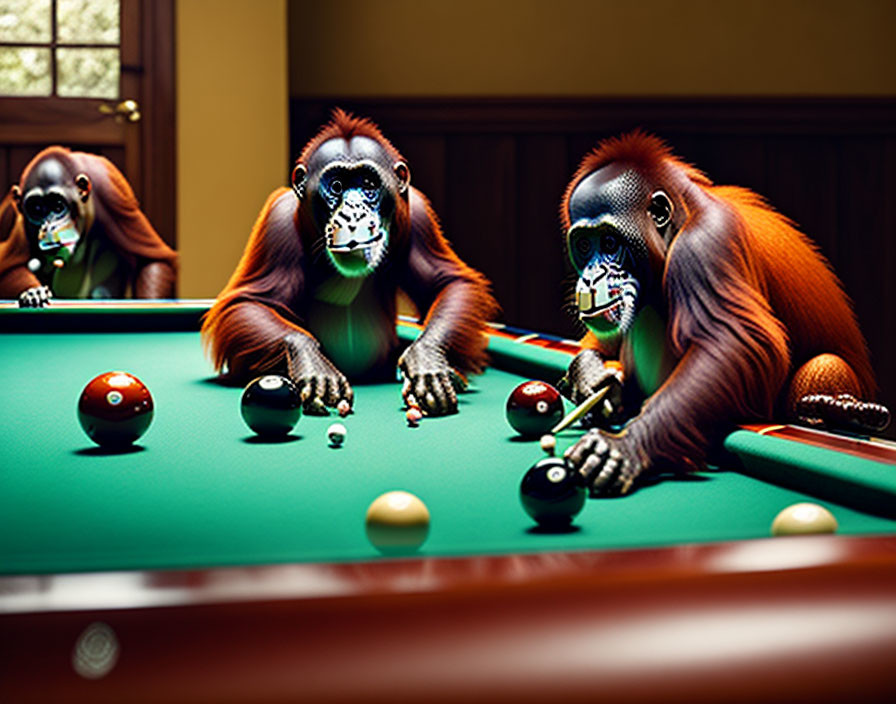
84	53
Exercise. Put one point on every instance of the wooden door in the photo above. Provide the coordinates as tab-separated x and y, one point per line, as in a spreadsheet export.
95	76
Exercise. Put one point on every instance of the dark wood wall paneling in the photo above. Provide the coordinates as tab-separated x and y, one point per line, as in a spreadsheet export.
495	171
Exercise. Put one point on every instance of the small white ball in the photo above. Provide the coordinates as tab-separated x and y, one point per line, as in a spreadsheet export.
548	443
414	415
336	433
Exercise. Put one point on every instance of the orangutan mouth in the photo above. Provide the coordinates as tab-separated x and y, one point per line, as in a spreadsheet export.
595	310
354	246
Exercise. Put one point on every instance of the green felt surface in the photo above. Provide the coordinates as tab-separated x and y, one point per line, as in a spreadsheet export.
200	491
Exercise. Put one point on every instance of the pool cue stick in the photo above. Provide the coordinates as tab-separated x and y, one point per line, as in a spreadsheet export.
580	410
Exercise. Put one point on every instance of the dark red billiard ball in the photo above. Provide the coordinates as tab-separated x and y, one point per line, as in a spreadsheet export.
115	409
534	408
552	492
271	405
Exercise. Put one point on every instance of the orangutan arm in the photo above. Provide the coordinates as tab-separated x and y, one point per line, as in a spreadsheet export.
458	304
155	280
16	281
252	328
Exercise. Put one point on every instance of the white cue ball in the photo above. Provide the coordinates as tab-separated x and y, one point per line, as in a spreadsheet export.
804	519
397	522
548	443
336	433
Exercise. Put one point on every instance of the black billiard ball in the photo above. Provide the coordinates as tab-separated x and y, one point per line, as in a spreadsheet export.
534	408
552	492
115	409
271	405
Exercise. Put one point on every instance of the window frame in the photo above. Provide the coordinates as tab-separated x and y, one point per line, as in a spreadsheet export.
55	44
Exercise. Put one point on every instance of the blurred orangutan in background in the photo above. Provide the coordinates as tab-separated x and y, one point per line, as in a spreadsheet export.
72	228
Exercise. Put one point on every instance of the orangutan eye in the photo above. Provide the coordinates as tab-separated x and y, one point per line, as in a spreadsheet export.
583	246
35	208
660	209
336	186
609	244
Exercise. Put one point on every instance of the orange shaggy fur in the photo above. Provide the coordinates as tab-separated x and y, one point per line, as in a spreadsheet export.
262	302
118	218
749	300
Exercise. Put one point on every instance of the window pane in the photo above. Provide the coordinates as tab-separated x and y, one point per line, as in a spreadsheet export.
87	73
25	21
25	71
87	21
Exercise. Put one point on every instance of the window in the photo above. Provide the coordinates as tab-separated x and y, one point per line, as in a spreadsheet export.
63	48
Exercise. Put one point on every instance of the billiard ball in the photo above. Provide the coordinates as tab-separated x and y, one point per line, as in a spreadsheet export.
271	405
548	443
115	409
804	519
534	408
397	522
552	492
336	434
414	415
343	408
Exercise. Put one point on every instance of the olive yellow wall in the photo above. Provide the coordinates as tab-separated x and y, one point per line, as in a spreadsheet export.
232	130
592	47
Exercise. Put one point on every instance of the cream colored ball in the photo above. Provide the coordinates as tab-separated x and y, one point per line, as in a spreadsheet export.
397	522
548	444
804	519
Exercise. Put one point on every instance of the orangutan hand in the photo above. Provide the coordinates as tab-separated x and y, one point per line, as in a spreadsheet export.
606	463
35	297
587	374
429	381
842	412
319	381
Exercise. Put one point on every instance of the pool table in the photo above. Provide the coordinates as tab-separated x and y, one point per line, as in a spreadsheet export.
205	564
